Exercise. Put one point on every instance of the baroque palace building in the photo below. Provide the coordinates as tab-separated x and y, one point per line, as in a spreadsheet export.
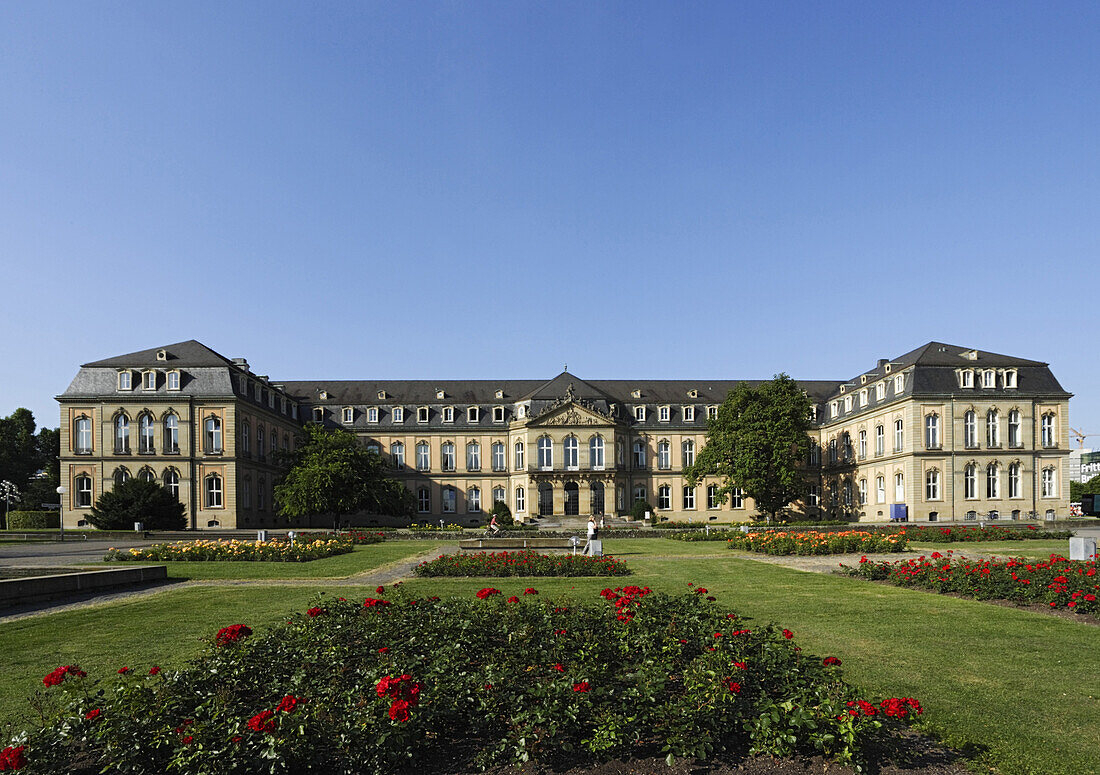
940	433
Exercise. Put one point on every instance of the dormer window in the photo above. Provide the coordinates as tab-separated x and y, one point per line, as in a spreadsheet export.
521	411
323	395
381	395
847	403
440	394
498	413
880	391
448	414
863	398
663	413
899	384
422	414
271	399
689	414
693	393
971	355
473	414
863	379
318	414
966	378
1010	378
398	414
372	414
834	409
499	394
294	411
148	380
125	381
712	412
348	415
989	378
886	369
259	392
639	413
635	394
813	412
842	389
162	355
173	380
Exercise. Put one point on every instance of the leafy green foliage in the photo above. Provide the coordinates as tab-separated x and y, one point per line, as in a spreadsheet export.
503	514
330	472
302	550
639	509
137	500
1077	489
29	460
393	683
758	443
33	520
521	563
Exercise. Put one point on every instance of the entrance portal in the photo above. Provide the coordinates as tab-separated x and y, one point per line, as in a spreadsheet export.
572	499
546	500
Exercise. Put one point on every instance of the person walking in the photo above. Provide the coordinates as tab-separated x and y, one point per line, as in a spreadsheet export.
592	533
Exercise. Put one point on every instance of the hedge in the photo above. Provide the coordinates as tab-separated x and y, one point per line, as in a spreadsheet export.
33	520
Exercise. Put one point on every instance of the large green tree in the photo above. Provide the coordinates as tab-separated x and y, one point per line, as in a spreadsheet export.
1077	489
758	443
28	460
331	472
137	500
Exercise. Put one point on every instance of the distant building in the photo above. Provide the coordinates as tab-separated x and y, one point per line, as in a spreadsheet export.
940	433
1083	464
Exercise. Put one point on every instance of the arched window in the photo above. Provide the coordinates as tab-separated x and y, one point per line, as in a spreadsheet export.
846	445
261	493
899	436
1046	430
498	456
899	488
862	492
260	437
171	434
595	453
121	476
172	482
286	442
880	489
518	462
815	454
862	445
664	497
932	431
687	450
146	475
970	481
82	435
246	438
473	500
521	499
83	486
450	499
145	434
992	481
572	453
639	454
847	493
1014	428
122	434
932	485
712	496
447	453
546	453
499	494
1050	485
423	456
274	441
1014	480
246	492
572	499
473	457
213	489
880	440
397	454
423	500
375	447
970	429
664	455
993	428
213	434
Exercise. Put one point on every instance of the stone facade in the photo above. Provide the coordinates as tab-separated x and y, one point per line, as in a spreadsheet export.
209	428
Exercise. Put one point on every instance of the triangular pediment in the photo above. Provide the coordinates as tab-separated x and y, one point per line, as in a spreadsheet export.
571	413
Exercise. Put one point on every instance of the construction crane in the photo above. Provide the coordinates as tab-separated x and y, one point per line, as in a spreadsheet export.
1081	436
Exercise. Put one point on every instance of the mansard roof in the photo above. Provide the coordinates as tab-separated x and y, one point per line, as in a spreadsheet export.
181	354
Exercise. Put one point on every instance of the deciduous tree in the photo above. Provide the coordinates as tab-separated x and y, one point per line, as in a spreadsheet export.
758	443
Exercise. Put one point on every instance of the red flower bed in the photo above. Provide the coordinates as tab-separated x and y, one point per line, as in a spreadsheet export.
524	563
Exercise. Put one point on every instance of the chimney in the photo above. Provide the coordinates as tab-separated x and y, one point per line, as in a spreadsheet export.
882	362
242	362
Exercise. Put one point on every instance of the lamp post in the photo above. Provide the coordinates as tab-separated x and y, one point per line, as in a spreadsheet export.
7	489
61	514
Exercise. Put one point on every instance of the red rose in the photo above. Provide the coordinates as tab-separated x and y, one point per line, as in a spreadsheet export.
58	675
232	634
154	670
513	599
399	711
788	634
581	687
264	721
830	661
315	611
559	667
123	670
384	650
530	591
733	686
93	713
487	592
12	758
379	590
188	739
288	703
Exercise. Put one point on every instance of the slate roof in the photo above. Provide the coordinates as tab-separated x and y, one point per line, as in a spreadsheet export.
190	354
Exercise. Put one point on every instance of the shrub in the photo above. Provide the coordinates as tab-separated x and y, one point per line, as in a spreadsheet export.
523	563
33	520
950	535
638	510
847	542
1057	582
137	500
235	551
388	685
503	514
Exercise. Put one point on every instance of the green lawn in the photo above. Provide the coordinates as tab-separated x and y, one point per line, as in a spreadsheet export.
1018	685
1035	550
363	559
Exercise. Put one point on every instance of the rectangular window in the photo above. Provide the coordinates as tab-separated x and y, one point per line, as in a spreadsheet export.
423	457
1010	378
737	498
689	414
473	457
422	414
424	500
989	378
834	409
149	380
294	411
847	403
473	414
448	414
398	414
173	380
372	414
84	492
863	398
639	413
880	489
712	496
967	378
449	500
689	497
498	414
349	414
712	412
899	384
498	457
664	497
880	391
813	496
664	414
521	499
125	381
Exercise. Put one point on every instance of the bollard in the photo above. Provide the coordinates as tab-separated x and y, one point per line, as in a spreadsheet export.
139	527
291	535
1081	548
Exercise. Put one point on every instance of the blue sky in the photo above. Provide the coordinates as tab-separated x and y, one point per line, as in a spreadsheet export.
465	190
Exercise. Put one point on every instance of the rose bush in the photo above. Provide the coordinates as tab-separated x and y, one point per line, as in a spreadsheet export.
845	542
445	684
1057	582
237	551
921	534
522	563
